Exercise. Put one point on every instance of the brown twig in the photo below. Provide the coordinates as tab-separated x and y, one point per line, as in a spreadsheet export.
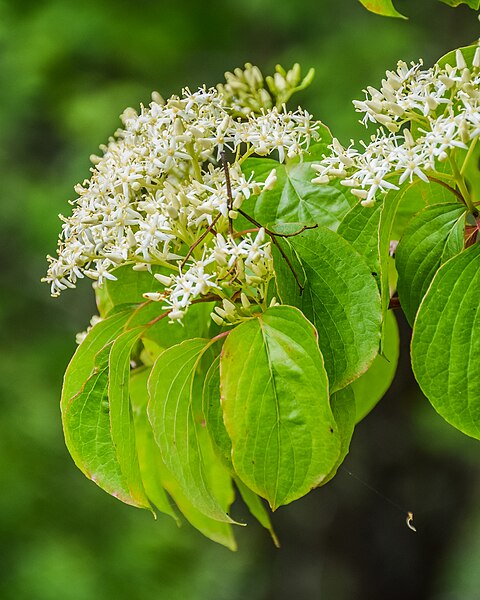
273	235
394	303
471	234
207	298
200	239
245	231
290	266
220	336
229	191
287	235
449	188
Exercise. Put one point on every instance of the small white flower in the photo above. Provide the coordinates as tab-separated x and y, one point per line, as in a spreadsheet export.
271	180
445	102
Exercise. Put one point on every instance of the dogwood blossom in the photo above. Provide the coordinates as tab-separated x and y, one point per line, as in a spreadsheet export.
425	116
166	192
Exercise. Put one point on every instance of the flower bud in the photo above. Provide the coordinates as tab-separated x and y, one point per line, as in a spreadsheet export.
218	320
368	203
362	194
157	98
140	267
476	58
163	279
229	307
154	296
271	180
245	301
460	60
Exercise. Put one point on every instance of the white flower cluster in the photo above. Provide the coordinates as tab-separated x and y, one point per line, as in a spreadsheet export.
442	106
240	266
160	188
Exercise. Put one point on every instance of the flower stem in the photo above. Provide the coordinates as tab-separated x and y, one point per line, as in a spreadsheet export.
448	187
469	155
462	187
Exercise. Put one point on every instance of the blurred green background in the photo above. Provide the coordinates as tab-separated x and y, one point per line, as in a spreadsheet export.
67	70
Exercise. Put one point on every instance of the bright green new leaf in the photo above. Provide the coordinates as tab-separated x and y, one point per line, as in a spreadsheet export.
387	9
382	7
344	412
446	342
370	388
275	403
432	237
87	427
295	199
157	478
340	298
475	4
121	418
174	411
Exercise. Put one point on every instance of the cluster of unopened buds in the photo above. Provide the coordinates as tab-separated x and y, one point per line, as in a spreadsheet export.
426	117
168	189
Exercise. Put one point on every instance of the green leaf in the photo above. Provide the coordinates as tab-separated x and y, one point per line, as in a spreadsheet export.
344	412
340	298
370	388
121	417
151	464
157	478
86	423
475	4
83	361
471	170
196	323
163	333
212	411
398	208
275	404
295	199
467	51
385	230
415	197
360	228
128	288
176	419
382	7
222	445
446	342
219	481
257	509
432	237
